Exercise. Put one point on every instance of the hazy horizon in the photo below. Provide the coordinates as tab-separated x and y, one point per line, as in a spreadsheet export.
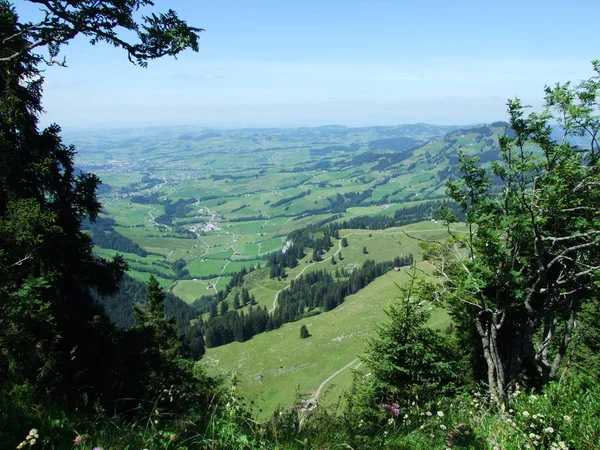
269	64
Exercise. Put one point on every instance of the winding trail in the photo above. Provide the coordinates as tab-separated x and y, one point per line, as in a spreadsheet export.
220	275
331	377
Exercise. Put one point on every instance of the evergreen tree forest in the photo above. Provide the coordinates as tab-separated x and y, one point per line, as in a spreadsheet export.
93	359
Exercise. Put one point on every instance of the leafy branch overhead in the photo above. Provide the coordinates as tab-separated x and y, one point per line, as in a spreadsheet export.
157	35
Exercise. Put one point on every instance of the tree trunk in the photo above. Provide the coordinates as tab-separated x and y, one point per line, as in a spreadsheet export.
488	334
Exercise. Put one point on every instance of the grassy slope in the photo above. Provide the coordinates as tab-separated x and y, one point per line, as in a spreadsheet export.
277	366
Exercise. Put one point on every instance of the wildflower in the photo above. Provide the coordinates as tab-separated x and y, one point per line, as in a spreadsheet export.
32	442
567	418
33	432
428	413
549	430
443	427
78	439
390	421
531	436
172	437
440	414
97	448
525	413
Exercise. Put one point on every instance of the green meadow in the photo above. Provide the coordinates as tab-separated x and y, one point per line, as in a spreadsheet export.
277	368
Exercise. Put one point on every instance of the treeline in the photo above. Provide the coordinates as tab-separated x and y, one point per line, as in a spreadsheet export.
321	165
105	236
283	201
324	291
318	236
239	208
412	214
334	148
151	199
398	144
147	182
250	218
314	291
120	306
294	248
208	303
340	203
236	326
174	210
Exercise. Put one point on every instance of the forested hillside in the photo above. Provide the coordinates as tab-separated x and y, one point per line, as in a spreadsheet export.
411	286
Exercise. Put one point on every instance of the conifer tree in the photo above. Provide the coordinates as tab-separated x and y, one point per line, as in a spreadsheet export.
304	332
236	301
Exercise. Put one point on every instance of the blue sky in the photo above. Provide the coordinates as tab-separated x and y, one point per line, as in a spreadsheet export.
309	63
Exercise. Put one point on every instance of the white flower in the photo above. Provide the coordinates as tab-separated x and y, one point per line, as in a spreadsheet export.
440	414
428	413
567	418
549	430
531	436
525	413
443	427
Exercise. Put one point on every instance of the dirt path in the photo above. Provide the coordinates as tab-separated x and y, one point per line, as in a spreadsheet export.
220	275
331	377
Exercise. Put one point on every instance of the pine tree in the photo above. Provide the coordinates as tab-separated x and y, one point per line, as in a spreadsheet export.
236	301
224	307
304	332
151	320
245	299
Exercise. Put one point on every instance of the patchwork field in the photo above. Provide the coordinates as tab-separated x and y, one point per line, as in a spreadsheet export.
194	207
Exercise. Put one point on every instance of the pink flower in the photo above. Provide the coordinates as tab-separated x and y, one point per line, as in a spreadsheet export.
78	439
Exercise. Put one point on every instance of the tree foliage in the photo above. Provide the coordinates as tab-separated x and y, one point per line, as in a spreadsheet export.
408	360
304	332
158	35
52	327
531	257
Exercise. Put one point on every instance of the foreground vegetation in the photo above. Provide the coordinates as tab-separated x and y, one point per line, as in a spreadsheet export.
508	368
